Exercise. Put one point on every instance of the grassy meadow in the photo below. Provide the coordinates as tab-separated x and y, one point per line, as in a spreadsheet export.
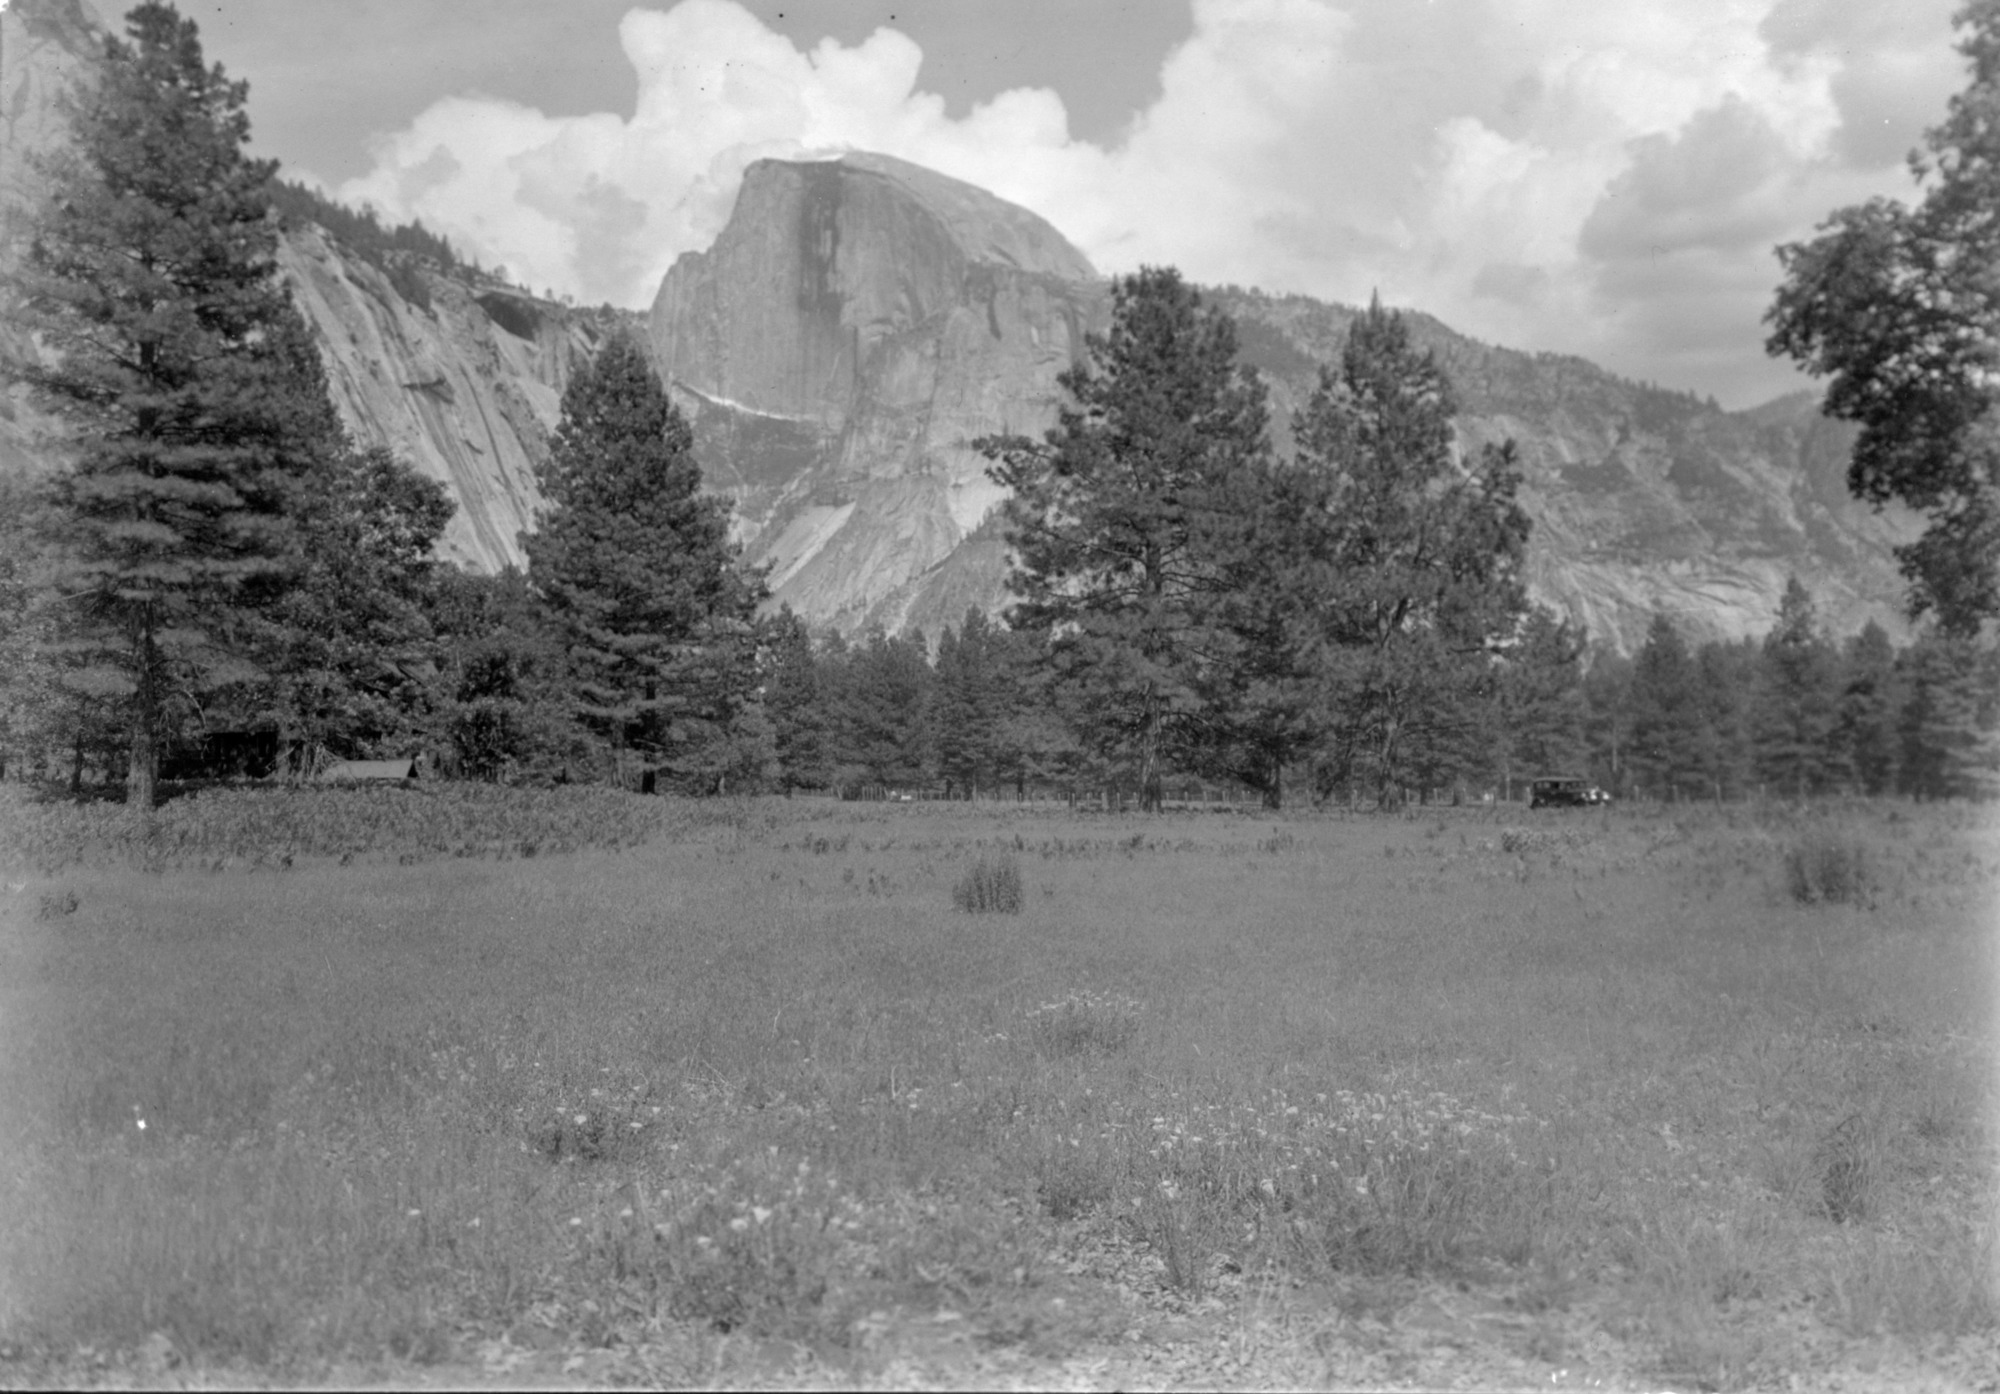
604	1088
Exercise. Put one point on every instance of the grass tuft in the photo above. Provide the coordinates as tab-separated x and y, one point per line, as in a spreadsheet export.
1824	868
990	887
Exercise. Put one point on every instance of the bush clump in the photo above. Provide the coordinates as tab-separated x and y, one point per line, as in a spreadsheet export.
1824	869
990	887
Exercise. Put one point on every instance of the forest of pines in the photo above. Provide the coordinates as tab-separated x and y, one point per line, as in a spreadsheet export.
222	583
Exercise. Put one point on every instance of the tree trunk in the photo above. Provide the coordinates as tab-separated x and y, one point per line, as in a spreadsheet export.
1149	759
1274	787
143	764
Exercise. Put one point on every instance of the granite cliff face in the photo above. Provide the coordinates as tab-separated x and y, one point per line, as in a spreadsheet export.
856	326
466	387
860	321
46	47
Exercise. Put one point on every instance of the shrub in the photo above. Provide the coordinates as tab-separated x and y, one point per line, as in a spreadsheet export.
990	887
1845	1165
1829	869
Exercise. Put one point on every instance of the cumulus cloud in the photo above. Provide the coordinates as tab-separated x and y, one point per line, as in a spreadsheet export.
1604	179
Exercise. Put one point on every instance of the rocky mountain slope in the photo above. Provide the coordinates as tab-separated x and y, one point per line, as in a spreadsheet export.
1643	498
860	321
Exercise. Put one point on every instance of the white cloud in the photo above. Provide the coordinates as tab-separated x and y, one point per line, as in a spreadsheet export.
1604	179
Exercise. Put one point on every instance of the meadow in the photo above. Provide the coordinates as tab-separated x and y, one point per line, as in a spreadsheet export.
575	1086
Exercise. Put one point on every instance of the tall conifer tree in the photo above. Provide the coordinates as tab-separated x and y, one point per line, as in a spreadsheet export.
1797	699
1667	721
636	564
1118	517
796	703
1542	709
1865	724
150	279
1418	560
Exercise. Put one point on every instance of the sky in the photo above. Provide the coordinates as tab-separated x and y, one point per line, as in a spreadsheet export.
1599	177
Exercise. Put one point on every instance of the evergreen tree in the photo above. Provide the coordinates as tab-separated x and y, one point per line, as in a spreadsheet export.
1543	713
1036	743
150	278
970	704
1114	516
833	674
1667	720
1725	689
1260	696
890	682
1607	697
352	646
635	564
28	699
1416	561
1797	700
794	699
1865	723
505	712
1950	722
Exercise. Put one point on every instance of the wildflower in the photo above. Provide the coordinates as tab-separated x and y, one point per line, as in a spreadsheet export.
760	1213
739	1224
582	1118
626	1213
575	1221
413	1214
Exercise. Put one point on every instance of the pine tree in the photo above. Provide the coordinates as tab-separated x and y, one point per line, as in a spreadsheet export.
970	704
1036	742
1865	725
890	682
1113	516
504	714
1667	719
1950	722
796	703
1725	694
1797	700
636	565
1260	694
1419	559
1607	696
150	279
353	648
1542	708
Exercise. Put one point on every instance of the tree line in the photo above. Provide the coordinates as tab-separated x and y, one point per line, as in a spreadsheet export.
220	576
1794	713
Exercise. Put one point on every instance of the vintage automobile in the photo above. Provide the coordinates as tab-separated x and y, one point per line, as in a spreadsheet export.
1565	791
